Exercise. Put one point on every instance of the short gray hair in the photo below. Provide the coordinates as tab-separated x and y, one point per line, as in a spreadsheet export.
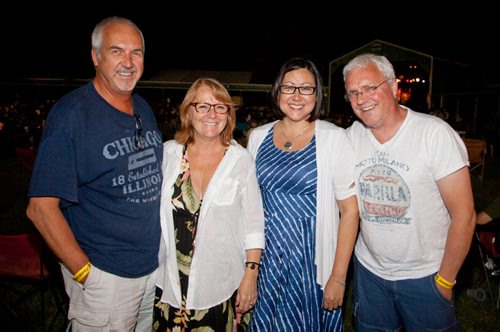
363	60
98	33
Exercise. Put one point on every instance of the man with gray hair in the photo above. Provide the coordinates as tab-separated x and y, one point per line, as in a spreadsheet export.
415	203
95	189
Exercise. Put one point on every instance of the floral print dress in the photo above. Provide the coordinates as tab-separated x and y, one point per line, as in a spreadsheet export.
221	317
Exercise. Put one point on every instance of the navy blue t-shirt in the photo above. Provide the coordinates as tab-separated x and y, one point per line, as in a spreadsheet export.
109	190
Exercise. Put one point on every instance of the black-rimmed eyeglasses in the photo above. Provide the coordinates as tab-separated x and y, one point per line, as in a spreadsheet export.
205	107
367	91
303	90
138	139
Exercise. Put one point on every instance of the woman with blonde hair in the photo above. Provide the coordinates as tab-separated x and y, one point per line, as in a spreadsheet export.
212	219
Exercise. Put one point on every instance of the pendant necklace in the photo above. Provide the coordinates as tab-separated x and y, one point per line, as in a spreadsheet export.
288	141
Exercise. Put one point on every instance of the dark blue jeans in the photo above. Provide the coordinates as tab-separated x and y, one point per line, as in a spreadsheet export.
409	304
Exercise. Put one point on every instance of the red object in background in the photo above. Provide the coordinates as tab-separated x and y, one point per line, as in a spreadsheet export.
20	256
486	239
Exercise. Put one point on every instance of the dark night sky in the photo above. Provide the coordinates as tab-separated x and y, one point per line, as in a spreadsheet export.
43	43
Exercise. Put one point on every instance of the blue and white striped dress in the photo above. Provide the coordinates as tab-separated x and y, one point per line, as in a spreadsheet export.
289	297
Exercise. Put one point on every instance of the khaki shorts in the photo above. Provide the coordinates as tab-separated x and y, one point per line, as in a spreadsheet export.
107	302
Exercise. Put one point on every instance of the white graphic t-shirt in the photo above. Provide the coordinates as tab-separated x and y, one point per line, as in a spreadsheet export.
404	221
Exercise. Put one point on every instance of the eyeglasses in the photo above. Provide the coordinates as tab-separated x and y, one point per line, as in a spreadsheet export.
205	107
367	91
138	139
303	90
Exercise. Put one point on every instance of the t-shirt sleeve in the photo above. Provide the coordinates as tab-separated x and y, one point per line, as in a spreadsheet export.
54	174
447	151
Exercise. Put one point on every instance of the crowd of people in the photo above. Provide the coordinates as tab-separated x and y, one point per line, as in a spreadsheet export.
21	124
200	217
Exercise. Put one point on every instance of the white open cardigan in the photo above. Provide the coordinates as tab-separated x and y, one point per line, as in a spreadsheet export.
335	162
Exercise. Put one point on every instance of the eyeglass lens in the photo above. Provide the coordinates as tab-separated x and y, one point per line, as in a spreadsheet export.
205	107
303	90
367	91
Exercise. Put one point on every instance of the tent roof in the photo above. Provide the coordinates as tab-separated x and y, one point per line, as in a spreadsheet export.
393	52
443	76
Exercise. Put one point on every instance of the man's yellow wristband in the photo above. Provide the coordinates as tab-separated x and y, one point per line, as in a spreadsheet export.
443	282
82	273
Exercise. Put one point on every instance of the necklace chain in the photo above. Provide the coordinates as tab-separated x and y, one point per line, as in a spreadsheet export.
288	141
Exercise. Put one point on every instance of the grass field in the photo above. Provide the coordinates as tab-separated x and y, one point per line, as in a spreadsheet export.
474	315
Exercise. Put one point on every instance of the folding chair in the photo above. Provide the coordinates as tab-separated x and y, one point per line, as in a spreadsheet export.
476	149
484	239
26	276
